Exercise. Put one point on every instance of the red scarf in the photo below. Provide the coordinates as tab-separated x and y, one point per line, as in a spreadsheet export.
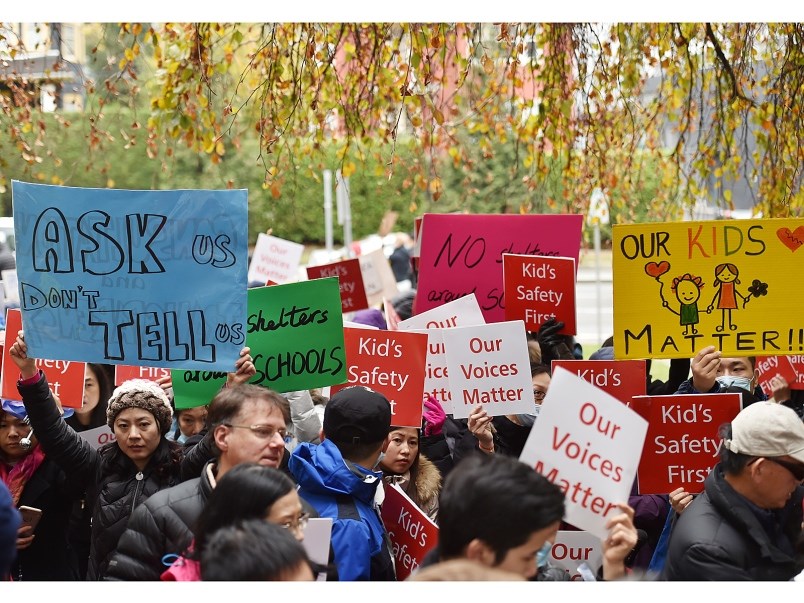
17	476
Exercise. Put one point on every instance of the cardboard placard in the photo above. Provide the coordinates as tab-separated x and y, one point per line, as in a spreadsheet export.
769	367
462	254
64	377
274	260
622	379
539	288
392	363
589	444
732	284
411	532
124	373
350	282
153	278
682	445
378	278
489	365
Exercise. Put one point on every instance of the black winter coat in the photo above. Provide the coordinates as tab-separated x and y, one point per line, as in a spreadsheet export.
718	537
49	556
114	485
163	525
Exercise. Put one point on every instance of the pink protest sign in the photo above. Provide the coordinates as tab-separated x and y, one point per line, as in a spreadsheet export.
350	282
682	445
769	367
462	254
539	288
411	532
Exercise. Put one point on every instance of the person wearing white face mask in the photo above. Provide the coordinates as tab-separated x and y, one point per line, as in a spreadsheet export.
713	374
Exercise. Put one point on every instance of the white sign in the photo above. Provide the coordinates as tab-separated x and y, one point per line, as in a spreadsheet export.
98	437
572	548
463	312
378	278
316	542
10	286
274	259
489	365
358	325
588	443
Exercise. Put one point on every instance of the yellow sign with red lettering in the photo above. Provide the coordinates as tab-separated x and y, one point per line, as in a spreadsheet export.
679	287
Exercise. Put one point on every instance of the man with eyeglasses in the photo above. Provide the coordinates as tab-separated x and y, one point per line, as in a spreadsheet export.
249	424
746	523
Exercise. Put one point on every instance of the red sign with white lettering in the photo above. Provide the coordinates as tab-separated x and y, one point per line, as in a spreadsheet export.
411	532
124	373
770	366
622	379
350	281
389	362
682	445
65	377
538	288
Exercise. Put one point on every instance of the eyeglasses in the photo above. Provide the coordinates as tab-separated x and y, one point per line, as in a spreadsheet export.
264	432
299	524
539	394
797	469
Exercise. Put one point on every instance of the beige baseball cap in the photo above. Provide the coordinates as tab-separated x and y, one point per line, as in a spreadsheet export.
767	429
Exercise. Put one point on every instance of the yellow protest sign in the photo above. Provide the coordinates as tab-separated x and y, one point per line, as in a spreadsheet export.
679	287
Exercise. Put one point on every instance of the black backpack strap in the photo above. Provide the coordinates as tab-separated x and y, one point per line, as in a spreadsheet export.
347	508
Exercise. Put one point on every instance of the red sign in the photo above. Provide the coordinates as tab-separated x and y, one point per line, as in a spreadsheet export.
538	288
124	373
622	379
682	445
411	532
389	362
350	280
769	367
65	377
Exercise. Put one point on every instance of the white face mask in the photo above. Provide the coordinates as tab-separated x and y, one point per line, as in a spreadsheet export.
527	420
732	380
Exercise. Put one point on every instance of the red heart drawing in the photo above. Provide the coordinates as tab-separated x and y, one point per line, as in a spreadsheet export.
656	270
793	240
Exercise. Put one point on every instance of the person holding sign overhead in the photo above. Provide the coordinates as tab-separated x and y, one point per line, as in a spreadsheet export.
122	474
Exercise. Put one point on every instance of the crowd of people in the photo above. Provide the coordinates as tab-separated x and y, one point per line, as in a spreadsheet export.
225	491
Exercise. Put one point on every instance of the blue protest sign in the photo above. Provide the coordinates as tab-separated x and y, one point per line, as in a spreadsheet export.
144	278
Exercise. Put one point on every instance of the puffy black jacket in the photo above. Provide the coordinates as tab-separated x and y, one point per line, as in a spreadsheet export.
718	537
114	485
163	525
49	556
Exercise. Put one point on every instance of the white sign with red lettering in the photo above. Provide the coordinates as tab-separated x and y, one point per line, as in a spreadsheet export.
317	535
463	312
572	548
589	444
489	365
98	437
275	259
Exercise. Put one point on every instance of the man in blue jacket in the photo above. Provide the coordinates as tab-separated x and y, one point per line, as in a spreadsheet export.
338	477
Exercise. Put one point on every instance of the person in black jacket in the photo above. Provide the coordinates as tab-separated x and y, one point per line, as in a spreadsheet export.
249	424
746	523
122	474
34	480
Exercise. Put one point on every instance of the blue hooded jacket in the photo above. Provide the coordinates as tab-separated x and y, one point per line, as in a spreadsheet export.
359	540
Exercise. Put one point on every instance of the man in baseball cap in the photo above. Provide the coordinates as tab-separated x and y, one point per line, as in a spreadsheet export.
746	523
339	478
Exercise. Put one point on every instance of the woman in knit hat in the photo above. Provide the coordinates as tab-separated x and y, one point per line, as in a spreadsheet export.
121	474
